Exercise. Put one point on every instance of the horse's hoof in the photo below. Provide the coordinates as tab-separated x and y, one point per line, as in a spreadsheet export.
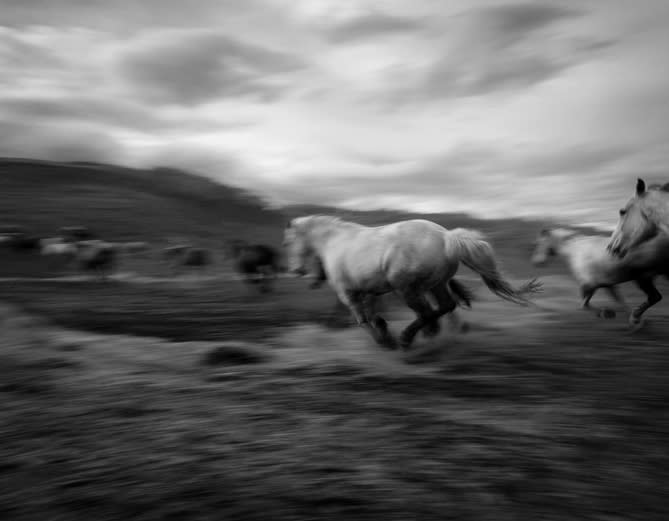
608	313
636	323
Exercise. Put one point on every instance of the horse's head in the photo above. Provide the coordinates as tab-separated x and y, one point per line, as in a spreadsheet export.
634	226
544	247
297	249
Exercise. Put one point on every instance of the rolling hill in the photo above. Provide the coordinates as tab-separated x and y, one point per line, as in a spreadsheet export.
127	204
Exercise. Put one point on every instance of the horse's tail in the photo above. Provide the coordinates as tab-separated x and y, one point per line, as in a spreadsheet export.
462	294
478	255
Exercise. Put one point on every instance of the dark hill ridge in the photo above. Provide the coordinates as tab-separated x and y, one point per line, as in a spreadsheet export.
125	203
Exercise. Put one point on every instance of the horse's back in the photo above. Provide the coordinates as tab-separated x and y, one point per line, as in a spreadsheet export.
391	254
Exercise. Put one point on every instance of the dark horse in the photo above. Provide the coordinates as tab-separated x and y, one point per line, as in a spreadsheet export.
256	263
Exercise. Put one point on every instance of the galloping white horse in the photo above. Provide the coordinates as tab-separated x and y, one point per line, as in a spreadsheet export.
643	217
412	258
593	268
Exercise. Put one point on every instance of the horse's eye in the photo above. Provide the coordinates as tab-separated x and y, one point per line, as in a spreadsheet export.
622	211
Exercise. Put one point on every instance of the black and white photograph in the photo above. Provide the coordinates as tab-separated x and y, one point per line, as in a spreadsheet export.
339	260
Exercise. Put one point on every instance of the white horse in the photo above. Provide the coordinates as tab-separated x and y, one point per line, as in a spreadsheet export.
593	267
58	248
644	216
60	253
413	258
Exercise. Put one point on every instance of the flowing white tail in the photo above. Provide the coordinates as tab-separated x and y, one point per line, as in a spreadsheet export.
478	255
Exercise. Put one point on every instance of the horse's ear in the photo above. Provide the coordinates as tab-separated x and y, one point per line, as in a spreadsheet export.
640	187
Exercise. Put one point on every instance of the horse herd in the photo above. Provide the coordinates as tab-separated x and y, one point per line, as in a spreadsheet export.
415	259
78	248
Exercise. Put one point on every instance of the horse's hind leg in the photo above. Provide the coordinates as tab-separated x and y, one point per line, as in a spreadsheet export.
445	304
653	297
425	314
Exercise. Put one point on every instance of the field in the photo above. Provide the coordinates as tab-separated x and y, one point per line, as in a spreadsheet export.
233	406
154	397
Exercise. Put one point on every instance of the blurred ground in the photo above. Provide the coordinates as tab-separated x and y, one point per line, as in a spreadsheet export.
235	406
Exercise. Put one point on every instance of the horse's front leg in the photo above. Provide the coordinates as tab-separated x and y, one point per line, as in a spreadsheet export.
617	297
587	292
355	302
447	306
653	296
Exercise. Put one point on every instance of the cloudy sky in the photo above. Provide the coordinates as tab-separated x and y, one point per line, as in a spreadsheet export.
496	108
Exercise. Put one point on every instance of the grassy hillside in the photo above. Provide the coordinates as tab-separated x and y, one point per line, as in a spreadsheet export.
126	204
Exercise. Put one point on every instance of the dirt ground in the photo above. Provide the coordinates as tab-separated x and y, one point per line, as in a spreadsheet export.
208	402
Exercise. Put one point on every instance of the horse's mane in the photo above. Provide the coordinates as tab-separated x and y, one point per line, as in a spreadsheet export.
309	220
473	234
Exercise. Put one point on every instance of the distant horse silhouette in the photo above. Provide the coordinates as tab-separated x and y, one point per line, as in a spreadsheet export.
258	264
60	252
642	218
23	242
413	258
187	256
97	256
593	267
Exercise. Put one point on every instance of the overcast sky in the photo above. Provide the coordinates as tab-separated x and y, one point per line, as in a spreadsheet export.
490	107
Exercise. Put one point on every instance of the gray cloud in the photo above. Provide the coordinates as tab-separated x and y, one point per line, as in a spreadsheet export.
508	23
500	48
372	25
581	159
19	56
63	108
476	175
103	111
123	14
191	67
58	142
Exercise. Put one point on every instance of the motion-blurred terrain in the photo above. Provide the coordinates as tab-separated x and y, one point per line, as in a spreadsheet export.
151	396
